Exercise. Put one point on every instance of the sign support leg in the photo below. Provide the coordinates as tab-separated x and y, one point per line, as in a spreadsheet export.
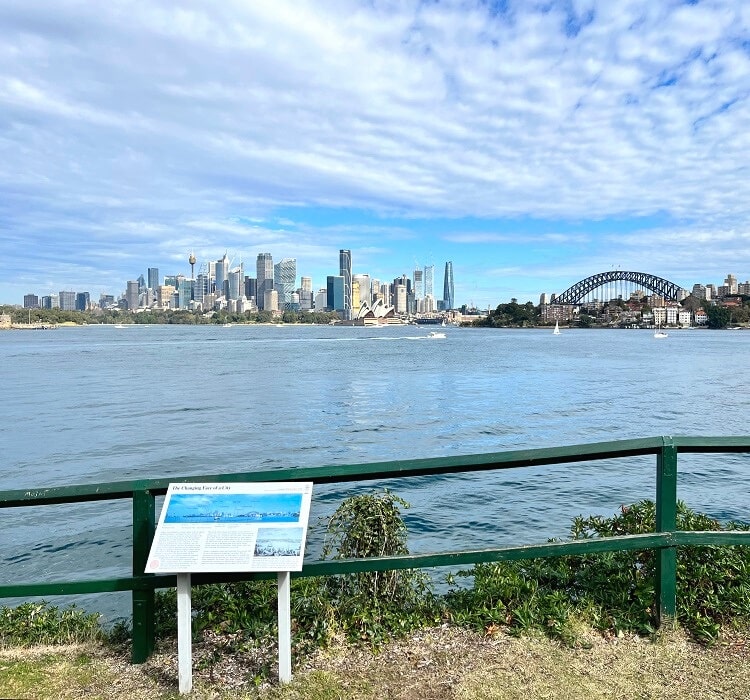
285	626
184	634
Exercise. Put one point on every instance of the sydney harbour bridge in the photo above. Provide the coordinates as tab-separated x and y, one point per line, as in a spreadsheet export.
619	284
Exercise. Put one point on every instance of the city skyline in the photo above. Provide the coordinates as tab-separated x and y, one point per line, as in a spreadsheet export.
531	145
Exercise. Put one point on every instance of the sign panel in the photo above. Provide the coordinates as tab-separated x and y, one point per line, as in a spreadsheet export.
206	528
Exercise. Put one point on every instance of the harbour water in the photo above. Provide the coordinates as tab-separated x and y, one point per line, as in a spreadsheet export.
100	403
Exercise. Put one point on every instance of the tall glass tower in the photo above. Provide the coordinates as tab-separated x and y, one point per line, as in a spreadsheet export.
284	279
429	275
345	271
448	299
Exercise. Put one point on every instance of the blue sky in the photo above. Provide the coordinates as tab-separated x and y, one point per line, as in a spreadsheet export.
531	143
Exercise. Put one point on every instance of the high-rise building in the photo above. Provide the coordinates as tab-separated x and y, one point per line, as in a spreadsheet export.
448	292
83	301
251	289
201	288
429	274
30	301
67	301
50	302
365	290
399	298
345	271
284	280
153	277
236	283
131	295
418	284
222	275
263	277
184	292
335	286
305	284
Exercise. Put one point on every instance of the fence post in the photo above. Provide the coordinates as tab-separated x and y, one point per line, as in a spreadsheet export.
666	521
144	526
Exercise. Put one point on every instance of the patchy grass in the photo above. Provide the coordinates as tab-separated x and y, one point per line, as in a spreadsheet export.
441	663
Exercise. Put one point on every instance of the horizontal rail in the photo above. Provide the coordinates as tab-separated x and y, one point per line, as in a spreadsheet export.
513	459
333	567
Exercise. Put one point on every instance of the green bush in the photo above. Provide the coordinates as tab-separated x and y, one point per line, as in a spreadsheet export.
40	623
613	591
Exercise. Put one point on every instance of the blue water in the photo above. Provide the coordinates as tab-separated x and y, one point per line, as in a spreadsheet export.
103	404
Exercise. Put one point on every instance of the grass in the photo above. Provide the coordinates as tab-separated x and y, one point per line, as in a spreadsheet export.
438	663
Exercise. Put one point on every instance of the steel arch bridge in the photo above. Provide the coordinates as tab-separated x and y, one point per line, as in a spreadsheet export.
658	285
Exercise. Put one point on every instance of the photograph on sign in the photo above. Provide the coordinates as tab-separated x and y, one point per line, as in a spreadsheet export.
206	528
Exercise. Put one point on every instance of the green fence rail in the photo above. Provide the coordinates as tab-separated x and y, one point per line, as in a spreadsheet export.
143	493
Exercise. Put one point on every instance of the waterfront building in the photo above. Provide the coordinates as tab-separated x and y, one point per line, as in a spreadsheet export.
284	279
321	300
131	295
30	301
335	289
153	277
448	291
356	300
263	277
684	318
345	271
83	301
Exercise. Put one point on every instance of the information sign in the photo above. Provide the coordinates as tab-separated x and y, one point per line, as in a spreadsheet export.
206	528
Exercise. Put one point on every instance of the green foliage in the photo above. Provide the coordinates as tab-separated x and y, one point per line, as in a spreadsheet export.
612	591
513	314
375	605
718	316
41	623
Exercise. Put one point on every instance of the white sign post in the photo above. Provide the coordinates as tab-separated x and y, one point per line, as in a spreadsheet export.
206	528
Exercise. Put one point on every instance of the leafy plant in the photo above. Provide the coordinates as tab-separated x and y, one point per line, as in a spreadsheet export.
613	591
40	623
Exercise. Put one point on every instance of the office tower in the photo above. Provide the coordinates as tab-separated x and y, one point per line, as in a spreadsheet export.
222	274
83	301
345	271
429	274
263	277
335	286
153	277
418	285
184	292
251	289
305	284
236	283
365	289
30	301
285	279
448	292
67	301
106	300
141	283
399	298
321	300
201	288
131	295
731	284
50	302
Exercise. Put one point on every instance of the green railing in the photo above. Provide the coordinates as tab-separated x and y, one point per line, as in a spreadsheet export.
664	540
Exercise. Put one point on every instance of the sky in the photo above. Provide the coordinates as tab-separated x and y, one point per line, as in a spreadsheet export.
530	143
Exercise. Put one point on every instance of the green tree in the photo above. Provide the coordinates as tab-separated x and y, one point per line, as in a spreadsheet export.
718	316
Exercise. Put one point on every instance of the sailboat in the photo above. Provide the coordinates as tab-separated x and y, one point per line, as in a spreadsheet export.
659	333
557	329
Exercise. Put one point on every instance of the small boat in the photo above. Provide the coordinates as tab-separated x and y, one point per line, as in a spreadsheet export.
659	333
435	334
557	329
119	325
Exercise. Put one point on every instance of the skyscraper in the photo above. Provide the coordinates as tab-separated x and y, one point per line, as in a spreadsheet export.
418	285
67	301
429	274
222	274
263	278
153	277
335	285
345	271
448	300
284	280
131	295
